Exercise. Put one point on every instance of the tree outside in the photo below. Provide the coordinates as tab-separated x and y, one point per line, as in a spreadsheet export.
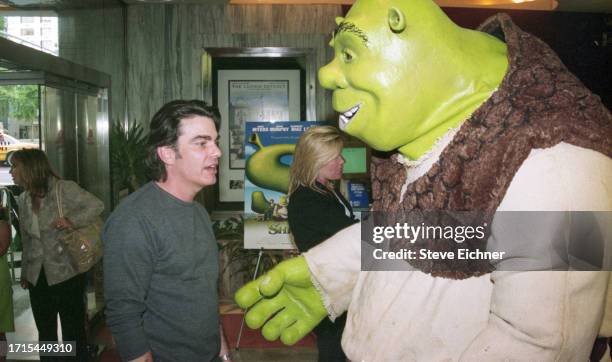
21	102
19	111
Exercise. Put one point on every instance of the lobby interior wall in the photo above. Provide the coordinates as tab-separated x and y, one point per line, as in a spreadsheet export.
94	36
166	43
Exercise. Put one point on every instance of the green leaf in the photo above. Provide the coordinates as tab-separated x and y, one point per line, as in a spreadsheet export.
22	101
127	152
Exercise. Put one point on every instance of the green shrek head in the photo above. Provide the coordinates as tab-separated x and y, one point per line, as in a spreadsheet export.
403	73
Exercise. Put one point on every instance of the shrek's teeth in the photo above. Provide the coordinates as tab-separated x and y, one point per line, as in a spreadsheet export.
346	117
343	121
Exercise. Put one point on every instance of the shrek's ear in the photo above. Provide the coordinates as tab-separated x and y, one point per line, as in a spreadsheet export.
339	20
397	20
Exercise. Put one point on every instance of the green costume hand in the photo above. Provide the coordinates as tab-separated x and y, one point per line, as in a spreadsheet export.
285	300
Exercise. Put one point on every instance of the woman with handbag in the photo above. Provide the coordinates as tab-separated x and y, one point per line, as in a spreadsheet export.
7	322
47	268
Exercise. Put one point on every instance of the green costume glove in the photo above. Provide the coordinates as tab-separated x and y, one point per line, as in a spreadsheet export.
285	300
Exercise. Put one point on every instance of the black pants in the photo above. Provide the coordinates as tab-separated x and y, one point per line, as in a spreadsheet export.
329	336
66	299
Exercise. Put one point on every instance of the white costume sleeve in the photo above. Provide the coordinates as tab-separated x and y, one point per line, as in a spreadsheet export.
335	265
550	315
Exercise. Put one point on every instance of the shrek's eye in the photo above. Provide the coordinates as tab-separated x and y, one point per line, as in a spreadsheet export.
347	56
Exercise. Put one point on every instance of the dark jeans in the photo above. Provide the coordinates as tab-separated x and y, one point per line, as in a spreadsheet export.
329	335
66	299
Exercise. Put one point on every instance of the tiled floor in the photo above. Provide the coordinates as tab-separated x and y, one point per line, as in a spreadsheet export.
25	329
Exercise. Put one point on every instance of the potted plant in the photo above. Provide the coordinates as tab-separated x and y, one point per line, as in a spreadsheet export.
127	152
237	263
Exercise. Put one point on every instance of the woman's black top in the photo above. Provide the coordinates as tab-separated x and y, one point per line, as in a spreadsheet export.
315	216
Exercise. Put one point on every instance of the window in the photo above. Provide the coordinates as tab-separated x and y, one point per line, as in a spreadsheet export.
39	32
49	44
29	133
23	131
27	32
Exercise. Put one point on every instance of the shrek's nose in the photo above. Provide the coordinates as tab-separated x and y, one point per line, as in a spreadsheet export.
331	77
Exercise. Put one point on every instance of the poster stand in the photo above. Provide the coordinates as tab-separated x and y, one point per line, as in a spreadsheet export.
244	315
269	148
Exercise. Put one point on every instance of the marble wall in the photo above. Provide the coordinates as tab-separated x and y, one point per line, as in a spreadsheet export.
154	52
166	44
95	37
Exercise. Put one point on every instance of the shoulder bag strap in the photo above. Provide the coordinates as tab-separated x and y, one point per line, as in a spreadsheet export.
58	196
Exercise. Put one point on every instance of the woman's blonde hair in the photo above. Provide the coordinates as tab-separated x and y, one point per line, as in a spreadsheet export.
34	169
316	147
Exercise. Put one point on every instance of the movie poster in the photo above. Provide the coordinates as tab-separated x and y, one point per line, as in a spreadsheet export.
269	151
255	101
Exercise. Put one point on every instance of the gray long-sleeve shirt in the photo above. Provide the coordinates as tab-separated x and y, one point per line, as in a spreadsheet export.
160	278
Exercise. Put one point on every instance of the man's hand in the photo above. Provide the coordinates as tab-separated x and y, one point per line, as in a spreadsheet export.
285	300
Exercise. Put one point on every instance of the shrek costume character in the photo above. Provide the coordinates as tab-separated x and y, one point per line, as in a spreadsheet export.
483	120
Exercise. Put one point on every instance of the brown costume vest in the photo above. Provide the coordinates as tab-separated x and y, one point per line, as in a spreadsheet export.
538	105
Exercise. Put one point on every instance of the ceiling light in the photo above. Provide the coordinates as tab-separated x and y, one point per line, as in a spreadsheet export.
502	4
498	4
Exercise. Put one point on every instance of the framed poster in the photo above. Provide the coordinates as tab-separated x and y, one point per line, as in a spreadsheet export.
269	95
269	151
253	101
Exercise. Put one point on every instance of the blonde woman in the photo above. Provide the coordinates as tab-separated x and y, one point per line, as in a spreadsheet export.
55	286
317	211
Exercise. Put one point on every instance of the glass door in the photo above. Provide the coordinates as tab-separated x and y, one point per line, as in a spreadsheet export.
75	136
68	120
92	130
59	132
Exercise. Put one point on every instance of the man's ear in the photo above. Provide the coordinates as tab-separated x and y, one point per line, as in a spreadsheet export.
166	154
397	20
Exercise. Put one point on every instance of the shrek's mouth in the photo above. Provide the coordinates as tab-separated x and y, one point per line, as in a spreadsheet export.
346	117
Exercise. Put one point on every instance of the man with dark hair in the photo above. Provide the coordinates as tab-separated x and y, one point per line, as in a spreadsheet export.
160	259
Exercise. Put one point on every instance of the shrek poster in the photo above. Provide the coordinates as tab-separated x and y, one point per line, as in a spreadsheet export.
269	150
